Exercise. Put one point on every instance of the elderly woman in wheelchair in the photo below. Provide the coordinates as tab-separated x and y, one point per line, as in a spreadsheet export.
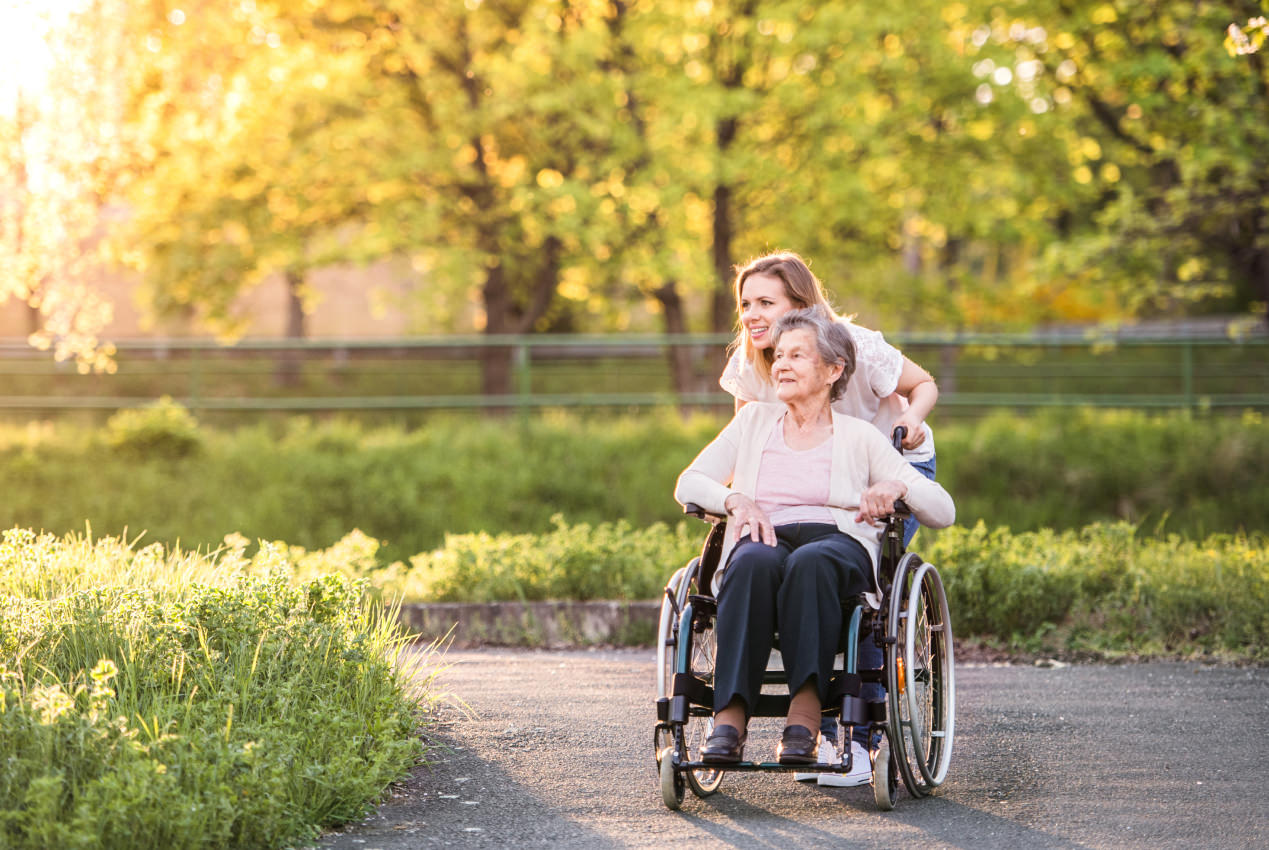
804	490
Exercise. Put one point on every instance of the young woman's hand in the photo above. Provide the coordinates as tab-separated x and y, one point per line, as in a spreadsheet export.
916	429
877	502
745	517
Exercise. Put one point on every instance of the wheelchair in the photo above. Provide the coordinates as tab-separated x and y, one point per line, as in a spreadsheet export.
916	720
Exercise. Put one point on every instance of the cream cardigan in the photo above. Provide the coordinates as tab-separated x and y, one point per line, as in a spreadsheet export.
861	457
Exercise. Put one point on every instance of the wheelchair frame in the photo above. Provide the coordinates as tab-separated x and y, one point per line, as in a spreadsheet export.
916	719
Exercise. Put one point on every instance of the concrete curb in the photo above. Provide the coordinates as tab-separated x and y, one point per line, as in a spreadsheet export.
553	625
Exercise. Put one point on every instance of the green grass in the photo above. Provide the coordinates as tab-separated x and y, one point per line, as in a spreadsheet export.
166	699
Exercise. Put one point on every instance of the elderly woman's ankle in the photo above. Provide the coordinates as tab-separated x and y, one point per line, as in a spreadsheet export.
733	715
805	708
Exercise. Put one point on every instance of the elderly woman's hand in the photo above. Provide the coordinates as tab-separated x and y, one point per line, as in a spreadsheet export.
743	513
877	502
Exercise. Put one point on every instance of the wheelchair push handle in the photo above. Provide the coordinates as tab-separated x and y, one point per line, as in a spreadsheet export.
896	438
693	509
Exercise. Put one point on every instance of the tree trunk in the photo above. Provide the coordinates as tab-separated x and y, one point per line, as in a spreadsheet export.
722	308
290	360
1259	274
495	360
681	372
504	316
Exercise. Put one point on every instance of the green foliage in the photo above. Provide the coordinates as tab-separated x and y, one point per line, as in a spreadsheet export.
601	165
1162	190
164	429
575	562
166	699
1068	468
310	483
1107	588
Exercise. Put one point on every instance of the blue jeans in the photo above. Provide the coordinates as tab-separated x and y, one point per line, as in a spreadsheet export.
910	525
870	655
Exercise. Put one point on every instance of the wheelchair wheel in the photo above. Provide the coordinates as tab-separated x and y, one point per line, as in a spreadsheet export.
676	589
699	727
920	677
667	631
672	785
885	779
702	644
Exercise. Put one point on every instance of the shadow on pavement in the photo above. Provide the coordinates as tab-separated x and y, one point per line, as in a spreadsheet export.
460	800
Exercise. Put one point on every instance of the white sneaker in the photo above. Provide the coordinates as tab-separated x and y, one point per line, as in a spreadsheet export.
860	770
827	754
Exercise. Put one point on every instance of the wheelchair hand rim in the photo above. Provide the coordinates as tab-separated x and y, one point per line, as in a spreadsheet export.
932	778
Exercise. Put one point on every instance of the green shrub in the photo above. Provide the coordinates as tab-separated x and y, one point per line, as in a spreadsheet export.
1068	468
155	699
575	562
309	483
1106	587
161	430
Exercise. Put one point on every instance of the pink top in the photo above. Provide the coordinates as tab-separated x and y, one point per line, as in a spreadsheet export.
793	486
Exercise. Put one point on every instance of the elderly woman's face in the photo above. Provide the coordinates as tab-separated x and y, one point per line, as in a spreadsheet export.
798	371
762	301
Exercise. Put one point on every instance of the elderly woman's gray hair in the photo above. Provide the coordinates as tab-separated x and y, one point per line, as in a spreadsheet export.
832	341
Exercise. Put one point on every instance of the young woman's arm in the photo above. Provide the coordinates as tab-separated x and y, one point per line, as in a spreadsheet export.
917	385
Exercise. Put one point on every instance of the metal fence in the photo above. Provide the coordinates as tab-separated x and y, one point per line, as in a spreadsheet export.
1193	371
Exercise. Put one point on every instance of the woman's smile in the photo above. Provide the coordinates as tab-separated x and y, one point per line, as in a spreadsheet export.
798	370
762	301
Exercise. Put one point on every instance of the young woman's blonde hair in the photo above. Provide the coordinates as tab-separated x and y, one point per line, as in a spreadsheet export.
801	287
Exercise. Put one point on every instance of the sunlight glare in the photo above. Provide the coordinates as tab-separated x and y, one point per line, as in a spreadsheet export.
24	28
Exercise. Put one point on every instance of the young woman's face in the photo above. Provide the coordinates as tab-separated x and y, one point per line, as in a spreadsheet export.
798	371
762	301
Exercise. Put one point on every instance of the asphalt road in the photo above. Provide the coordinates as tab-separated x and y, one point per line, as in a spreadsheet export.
554	749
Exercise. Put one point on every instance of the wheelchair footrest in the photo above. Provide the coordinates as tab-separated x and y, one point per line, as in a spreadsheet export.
753	766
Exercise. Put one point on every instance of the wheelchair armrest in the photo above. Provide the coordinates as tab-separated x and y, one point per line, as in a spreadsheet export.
901	509
693	509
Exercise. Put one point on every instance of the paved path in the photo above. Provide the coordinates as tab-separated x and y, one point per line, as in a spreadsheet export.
556	751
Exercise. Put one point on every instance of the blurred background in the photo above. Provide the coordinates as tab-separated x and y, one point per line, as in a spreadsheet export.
405	205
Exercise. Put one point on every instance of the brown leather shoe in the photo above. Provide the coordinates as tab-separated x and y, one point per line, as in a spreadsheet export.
725	745
798	745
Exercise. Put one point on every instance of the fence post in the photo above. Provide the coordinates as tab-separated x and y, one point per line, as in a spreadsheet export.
524	375
1187	374
195	378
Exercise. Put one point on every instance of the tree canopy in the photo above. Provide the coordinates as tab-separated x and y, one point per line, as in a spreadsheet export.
595	164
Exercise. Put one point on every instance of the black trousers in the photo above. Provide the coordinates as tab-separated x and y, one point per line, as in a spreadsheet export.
797	587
